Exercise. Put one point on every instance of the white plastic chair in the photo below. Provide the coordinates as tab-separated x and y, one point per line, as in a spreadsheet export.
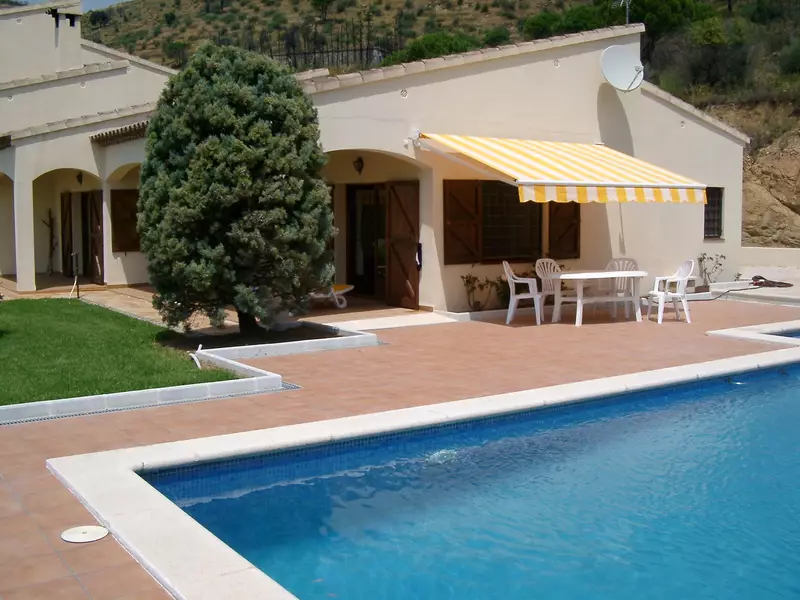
621	286
679	280
545	267
532	294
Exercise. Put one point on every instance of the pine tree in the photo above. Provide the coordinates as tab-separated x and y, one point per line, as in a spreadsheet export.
232	209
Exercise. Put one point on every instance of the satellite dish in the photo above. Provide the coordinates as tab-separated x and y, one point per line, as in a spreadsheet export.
622	68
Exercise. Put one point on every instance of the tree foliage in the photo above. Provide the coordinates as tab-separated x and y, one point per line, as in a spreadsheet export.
322	6
98	18
232	209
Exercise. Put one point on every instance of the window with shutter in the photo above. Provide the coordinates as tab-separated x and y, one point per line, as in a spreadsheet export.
462	222
124	237
712	215
565	230
511	229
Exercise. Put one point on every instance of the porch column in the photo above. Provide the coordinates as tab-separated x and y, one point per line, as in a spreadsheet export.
23	235
432	292
108	258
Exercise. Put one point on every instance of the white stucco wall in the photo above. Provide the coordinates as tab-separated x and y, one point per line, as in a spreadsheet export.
78	96
31	44
557	95
754	256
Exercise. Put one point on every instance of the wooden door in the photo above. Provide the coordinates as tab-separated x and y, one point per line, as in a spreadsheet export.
402	243
66	235
95	206
366	232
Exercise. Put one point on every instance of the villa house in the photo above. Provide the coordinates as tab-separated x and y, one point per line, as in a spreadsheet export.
421	194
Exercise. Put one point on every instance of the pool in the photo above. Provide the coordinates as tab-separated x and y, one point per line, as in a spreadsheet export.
790	334
688	492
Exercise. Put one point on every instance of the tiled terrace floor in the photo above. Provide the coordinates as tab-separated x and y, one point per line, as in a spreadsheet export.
420	365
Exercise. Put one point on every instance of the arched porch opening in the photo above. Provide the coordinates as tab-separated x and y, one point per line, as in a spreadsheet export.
377	213
67	228
125	263
126	176
7	251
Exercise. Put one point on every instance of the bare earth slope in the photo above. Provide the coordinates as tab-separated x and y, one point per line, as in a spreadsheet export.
771	173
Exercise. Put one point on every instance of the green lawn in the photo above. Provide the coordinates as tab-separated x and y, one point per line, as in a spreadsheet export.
65	348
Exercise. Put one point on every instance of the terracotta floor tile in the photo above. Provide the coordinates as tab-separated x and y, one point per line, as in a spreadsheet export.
49	499
30	570
97	556
63	516
117	582
36	480
154	594
9	504
60	589
21	544
10	526
417	366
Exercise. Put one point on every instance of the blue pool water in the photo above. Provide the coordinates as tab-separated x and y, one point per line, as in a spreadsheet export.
791	334
688	493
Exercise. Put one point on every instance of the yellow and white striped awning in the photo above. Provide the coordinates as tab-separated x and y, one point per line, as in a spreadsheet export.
568	172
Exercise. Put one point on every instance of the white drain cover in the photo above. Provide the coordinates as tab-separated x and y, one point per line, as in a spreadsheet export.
84	533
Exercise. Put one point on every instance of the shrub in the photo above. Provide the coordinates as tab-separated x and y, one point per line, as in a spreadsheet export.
581	18
543	25
790	58
278	20
497	36
232	208
170	19
432	45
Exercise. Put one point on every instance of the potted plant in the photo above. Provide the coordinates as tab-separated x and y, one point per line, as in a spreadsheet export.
710	268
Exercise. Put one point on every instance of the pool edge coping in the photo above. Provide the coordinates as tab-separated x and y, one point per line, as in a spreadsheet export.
769	333
192	564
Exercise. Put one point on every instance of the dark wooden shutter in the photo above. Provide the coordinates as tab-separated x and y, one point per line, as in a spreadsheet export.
565	230
462	222
332	192
95	203
66	234
124	236
402	238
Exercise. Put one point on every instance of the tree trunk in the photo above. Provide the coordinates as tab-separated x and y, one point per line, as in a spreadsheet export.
247	323
730	7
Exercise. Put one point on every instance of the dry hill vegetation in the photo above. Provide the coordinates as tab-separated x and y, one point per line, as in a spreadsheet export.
737	59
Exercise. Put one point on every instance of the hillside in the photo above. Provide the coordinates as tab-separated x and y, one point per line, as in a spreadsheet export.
737	59
159	30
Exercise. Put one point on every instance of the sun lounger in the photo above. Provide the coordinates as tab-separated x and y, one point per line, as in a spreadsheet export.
335	293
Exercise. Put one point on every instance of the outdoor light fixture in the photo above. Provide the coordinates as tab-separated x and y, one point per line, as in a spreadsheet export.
79	177
358	165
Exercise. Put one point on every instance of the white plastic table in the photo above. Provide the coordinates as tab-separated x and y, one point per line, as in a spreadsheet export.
580	277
